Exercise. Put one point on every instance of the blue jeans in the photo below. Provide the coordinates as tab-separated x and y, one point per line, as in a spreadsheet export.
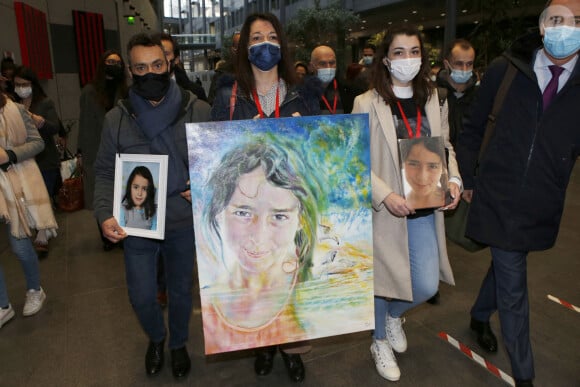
505	289
424	262
26	254
141	274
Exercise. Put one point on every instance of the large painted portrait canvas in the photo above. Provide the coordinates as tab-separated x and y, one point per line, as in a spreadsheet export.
283	229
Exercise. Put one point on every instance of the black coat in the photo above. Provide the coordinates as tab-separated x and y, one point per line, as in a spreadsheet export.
522	179
303	99
457	106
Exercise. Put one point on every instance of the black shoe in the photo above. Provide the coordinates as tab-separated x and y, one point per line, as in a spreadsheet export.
434	300
180	362
264	360
154	358
294	366
524	383
485	337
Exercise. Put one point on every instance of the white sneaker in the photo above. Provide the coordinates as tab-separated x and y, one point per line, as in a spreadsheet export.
34	301
6	315
385	360
396	334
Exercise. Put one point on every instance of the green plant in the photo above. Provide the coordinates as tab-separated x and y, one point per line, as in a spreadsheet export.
313	27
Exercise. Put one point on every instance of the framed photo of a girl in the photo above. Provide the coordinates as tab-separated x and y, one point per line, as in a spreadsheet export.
424	172
140	191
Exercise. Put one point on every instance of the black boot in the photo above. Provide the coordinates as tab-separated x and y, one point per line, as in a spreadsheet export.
264	360
154	358
294	366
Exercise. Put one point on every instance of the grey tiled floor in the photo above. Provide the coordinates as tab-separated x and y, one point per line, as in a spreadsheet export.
87	335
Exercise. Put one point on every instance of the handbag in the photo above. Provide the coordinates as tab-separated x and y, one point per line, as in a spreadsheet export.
68	164
455	223
71	194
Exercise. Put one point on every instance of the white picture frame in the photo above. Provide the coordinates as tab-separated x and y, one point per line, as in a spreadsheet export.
141	222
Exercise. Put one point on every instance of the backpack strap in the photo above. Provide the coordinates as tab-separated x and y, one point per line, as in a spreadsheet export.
442	93
506	82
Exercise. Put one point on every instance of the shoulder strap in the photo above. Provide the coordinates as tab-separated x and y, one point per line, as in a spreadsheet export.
497	105
442	93
233	99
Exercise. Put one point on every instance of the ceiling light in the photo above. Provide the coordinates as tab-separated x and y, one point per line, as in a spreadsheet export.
463	11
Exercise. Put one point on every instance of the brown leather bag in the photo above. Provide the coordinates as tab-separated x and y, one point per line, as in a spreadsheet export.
71	194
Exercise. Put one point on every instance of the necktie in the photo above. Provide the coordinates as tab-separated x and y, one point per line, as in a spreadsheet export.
552	89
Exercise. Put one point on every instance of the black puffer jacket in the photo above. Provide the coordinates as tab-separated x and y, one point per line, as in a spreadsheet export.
522	180
303	99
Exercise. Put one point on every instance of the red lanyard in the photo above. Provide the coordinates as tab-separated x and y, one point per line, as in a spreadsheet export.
406	121
259	106
333	110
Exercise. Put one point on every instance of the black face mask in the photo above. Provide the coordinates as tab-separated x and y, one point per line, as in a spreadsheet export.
114	71
151	86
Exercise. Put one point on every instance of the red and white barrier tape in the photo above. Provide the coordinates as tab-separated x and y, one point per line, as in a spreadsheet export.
564	303
478	359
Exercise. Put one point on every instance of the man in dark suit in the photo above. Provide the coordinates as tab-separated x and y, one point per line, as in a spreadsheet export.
518	196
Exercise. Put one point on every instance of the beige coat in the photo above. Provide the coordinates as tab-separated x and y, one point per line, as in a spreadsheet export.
392	270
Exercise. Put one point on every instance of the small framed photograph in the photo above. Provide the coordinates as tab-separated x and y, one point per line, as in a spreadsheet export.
424	171
140	194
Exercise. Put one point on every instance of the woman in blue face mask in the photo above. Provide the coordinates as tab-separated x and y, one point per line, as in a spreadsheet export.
265	86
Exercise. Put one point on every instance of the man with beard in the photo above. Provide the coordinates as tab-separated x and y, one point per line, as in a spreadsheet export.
152	121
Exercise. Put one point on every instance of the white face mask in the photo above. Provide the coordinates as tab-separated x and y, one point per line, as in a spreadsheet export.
23	91
403	70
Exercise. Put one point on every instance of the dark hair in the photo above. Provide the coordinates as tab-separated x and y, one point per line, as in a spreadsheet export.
381	76
27	73
3	99
101	84
244	74
143	39
429	144
464	44
7	64
283	168
301	64
149	204
371	46
165	36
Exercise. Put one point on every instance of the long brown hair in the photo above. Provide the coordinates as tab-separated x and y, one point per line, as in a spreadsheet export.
244	74
381	78
100	82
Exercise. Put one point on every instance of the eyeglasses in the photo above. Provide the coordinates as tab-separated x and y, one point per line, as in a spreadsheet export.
113	62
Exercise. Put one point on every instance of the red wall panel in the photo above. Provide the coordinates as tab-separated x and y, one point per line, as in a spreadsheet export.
90	42
33	36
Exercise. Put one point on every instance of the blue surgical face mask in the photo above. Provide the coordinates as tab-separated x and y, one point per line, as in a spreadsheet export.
265	55
326	75
460	76
561	41
367	60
